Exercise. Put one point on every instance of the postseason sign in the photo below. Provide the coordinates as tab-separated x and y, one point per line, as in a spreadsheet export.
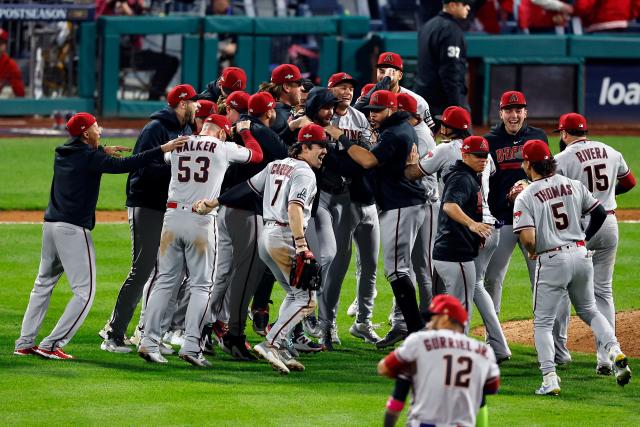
47	12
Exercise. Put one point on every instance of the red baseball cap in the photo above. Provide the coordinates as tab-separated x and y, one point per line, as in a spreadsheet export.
449	305
475	145
220	121
79	123
382	99
233	78
183	92
535	150
338	78
238	100
286	73
407	103
512	98
260	103
312	133
572	121
206	108
4	35
456	118
366	88
389	59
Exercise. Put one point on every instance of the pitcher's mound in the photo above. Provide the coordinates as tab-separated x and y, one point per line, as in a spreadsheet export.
580	336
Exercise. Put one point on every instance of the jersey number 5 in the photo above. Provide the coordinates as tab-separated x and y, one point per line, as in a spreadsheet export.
560	215
465	364
201	174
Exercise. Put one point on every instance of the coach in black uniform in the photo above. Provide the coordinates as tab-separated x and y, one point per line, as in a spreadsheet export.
460	227
147	192
442	59
400	201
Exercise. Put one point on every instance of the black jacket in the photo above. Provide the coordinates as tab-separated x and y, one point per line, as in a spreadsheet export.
272	149
77	169
442	63
455	242
149	186
504	148
283	112
396	139
211	93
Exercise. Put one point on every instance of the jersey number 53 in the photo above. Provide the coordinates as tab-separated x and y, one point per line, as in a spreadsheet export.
200	171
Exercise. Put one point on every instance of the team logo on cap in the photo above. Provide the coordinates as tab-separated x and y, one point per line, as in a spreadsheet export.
234	103
375	98
288	76
580	125
307	136
182	95
237	84
388	58
484	146
270	104
466	147
513	98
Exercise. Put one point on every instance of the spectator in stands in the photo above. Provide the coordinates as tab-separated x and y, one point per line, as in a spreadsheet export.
442	59
163	65
227	43
543	15
9	71
606	15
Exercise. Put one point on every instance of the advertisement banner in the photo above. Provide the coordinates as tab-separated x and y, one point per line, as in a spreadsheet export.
613	93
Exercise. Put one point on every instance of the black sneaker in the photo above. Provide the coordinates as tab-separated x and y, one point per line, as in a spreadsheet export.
325	339
237	346
394	335
260	321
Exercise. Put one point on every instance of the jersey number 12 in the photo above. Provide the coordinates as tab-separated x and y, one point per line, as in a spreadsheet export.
463	371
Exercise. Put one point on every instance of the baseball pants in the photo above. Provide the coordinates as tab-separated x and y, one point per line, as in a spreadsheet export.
459	279
366	236
494	278
276	248
483	302
558	274
145	225
400	230
191	239
65	248
219	298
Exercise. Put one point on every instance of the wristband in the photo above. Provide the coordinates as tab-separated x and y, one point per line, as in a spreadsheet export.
395	405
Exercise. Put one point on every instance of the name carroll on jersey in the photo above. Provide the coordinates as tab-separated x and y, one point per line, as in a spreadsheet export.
281	169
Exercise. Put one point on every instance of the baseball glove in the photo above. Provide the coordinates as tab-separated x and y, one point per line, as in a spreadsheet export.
517	189
305	272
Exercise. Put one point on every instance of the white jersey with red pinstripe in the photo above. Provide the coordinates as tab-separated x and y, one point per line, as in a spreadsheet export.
597	166
198	168
451	371
282	182
553	206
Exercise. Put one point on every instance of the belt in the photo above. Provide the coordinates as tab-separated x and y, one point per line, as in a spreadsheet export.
578	244
182	206
273	222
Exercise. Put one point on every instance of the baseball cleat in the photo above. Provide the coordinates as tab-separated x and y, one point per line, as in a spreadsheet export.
177	338
165	349
311	326
395	334
151	356
219	329
57	354
550	385
352	311
270	354
501	360
364	331
25	351
260	322
621	369
136	337
325	339
114	345
288	344
208	347
334	334
305	345
104	332
604	370
236	346
197	360
289	360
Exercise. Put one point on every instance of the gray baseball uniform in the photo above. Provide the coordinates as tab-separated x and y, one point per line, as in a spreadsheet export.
553	207
197	172
281	183
598	167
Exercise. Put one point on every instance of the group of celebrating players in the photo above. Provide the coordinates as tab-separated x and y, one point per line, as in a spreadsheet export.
276	186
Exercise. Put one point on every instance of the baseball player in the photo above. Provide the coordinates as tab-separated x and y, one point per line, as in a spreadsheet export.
146	203
205	109
605	173
351	213
454	128
451	373
401	202
546	218
196	173
231	80
286	87
288	188
67	245
460	223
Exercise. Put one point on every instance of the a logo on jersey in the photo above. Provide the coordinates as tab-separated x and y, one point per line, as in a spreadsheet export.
302	195
507	153
430	154
516	216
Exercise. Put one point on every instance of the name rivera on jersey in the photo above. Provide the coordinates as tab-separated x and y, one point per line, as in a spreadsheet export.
591	154
437	343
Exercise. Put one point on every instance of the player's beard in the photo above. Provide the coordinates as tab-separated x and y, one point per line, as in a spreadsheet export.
189	117
562	145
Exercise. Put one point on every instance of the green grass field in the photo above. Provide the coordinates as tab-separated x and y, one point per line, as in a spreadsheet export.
27	167
337	389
